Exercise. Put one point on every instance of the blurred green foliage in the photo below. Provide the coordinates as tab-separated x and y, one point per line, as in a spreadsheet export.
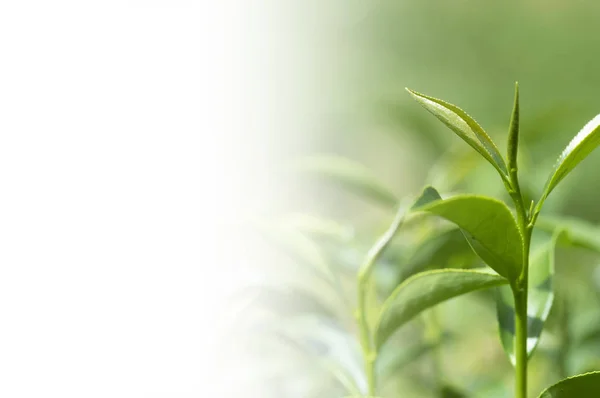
469	53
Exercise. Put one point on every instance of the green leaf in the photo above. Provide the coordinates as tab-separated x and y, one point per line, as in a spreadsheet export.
489	227
539	301
426	289
513	133
428	195
351	175
581	386
578	149
465	127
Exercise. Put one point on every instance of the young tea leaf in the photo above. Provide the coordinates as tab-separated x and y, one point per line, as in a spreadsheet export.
465	127
513	133
539	302
586	385
426	289
351	175
489	227
578	149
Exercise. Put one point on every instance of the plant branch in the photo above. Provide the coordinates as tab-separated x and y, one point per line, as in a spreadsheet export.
366	340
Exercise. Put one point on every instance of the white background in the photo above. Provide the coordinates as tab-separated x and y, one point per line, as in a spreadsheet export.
125	166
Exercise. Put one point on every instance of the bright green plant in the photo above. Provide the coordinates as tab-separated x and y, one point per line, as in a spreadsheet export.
500	236
499	239
503	242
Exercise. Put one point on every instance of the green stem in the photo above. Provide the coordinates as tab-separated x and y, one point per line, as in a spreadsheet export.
520	289
369	354
364	273
521	342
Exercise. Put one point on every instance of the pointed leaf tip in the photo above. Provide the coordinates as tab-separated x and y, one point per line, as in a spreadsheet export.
465	127
578	149
513	134
428	195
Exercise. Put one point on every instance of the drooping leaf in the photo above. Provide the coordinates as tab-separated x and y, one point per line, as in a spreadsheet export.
351	175
578	149
539	301
425	290
581	386
465	127
489	227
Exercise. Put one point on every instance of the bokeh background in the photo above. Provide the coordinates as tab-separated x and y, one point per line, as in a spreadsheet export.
342	67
